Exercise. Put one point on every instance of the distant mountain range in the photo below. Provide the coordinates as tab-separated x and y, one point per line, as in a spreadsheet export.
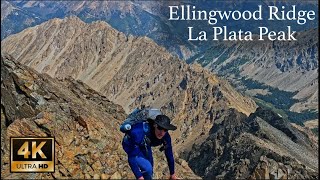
15	19
146	18
291	73
288	66
130	17
220	134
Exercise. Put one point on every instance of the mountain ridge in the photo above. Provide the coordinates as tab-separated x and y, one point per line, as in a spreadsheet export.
262	146
286	66
129	70
83	122
132	71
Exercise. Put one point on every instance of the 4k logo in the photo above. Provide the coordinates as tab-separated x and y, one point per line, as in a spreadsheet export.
32	154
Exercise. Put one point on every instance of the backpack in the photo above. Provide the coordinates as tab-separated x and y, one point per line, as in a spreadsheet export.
139	115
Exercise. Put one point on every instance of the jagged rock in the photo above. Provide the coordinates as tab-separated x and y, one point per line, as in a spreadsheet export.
184	164
87	176
261	173
192	96
97	166
267	146
51	120
85	128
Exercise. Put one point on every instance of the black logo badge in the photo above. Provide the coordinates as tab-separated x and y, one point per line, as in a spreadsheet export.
32	154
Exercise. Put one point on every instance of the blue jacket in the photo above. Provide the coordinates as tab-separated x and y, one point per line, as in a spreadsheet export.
138	142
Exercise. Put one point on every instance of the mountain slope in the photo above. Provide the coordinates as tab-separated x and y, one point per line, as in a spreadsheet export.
288	66
262	146
84	123
126	16
151	18
134	70
15	19
130	71
294	70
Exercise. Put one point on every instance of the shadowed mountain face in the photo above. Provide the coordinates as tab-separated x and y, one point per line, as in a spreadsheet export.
261	146
84	123
126	16
130	71
289	66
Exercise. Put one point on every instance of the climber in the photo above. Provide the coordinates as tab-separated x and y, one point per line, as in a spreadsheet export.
138	141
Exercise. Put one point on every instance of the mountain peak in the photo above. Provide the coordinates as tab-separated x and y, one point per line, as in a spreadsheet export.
130	71
83	122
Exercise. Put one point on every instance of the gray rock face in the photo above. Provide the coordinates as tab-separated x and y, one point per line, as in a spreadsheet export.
260	146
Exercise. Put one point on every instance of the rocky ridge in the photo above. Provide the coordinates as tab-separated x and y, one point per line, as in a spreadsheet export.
153	16
198	100
84	123
126	16
15	19
262	146
193	96
130	71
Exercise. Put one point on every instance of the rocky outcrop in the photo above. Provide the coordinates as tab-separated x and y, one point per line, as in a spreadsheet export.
261	146
84	123
130	71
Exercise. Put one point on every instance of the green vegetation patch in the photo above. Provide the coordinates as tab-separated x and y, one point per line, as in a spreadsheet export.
233	67
207	57
280	102
315	131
